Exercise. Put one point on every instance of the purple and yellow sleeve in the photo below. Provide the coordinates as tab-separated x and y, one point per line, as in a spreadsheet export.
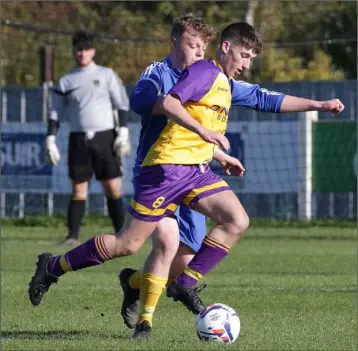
195	81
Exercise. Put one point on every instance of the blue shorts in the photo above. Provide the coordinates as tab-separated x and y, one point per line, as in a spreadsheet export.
192	224
192	227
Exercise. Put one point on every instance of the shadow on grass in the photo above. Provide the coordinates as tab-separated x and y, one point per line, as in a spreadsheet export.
59	334
285	288
352	237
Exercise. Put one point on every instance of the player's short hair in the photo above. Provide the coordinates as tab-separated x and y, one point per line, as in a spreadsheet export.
243	34
192	23
83	40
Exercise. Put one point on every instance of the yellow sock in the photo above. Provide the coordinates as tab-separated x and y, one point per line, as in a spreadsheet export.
134	280
151	287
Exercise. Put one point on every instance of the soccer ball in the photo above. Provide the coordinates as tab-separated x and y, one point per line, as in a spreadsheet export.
218	322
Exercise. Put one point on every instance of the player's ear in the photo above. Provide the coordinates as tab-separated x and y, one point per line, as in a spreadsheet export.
173	42
225	46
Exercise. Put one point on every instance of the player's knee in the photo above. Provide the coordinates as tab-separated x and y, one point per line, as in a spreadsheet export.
245	222
166	246
242	223
79	195
238	225
166	239
127	247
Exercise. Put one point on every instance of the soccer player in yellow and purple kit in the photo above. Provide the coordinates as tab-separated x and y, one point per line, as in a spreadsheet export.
188	39
174	172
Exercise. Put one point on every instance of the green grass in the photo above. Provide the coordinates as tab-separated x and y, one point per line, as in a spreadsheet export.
294	289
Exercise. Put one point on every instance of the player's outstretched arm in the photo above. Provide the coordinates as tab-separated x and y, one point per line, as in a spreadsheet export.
172	107
258	98
296	104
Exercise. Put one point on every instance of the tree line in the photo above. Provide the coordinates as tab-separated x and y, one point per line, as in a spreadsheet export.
302	40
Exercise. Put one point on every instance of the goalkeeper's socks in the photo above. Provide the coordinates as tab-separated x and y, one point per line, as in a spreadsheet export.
91	253
75	213
116	211
211	252
151	287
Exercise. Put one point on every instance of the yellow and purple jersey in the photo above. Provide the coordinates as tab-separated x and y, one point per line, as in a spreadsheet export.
205	92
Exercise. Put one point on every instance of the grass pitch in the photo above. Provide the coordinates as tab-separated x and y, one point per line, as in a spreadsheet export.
293	288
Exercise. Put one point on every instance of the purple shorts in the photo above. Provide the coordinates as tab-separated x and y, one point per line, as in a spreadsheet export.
161	189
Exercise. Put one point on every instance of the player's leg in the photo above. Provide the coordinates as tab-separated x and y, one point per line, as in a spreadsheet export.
192	231
107	168
181	260
144	208
155	272
76	212
156	268
80	172
95	251
192	228
116	208
218	202
175	183
231	223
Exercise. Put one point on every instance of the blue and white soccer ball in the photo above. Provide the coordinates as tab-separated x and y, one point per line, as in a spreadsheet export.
218	322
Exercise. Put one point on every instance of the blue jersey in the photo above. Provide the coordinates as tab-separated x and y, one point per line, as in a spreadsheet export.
159	77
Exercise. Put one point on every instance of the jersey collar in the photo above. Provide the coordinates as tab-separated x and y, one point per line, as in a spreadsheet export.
90	66
217	64
170	65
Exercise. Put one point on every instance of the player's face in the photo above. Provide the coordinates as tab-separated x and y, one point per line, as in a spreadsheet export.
235	59
83	57
189	48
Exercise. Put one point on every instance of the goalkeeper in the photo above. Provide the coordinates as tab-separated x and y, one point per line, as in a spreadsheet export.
96	104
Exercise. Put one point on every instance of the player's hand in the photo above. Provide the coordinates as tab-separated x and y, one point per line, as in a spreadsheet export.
122	145
215	138
53	155
334	106
232	166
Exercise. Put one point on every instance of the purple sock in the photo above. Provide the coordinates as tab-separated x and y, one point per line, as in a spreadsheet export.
91	253
54	267
209	255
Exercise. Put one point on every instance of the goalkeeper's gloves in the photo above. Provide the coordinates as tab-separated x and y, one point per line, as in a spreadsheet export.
53	155
122	145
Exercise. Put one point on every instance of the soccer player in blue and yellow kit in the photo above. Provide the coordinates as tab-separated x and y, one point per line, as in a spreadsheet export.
176	171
